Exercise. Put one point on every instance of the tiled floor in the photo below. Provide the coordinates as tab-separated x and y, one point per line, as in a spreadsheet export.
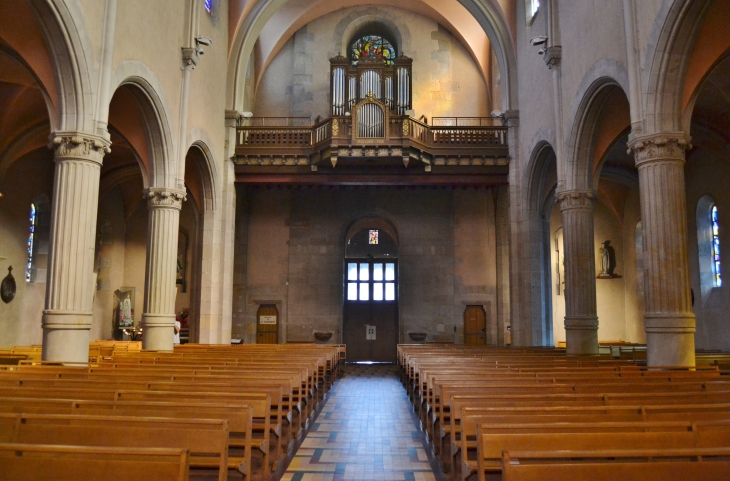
365	431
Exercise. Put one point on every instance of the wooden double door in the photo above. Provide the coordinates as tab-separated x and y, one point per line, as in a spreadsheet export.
370	318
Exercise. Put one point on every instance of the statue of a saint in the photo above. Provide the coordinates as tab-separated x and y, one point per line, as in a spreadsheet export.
125	311
608	261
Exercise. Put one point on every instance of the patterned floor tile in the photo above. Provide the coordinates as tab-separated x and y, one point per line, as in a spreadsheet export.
366	431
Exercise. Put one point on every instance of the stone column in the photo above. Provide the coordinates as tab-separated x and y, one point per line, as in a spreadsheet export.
581	320
70	288
668	321
158	319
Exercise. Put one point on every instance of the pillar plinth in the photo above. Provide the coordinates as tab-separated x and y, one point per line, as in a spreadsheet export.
70	286
158	319
669	322
581	320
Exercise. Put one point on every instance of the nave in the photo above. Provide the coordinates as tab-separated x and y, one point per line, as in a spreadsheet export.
365	431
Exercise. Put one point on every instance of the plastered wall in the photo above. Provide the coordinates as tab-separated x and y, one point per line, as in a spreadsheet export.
446	82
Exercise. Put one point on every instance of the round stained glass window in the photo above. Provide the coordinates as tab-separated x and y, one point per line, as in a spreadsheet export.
372	48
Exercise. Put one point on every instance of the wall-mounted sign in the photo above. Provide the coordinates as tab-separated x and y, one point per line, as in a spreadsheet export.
267	320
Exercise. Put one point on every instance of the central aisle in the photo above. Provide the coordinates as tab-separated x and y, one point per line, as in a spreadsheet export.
365	431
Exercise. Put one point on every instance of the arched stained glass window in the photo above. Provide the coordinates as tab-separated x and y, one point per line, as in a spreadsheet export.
716	271
372	47
208	4
31	239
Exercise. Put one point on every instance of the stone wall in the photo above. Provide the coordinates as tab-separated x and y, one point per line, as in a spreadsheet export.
295	257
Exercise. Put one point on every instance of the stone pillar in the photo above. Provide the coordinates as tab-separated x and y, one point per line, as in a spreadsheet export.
581	320
158	319
668	321
70	288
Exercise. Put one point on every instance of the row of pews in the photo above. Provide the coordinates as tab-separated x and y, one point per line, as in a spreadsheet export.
536	414
200	412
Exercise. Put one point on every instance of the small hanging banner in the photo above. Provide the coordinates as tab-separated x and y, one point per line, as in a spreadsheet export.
7	288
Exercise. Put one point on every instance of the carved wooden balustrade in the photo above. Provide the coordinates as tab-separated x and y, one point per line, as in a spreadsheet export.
465	146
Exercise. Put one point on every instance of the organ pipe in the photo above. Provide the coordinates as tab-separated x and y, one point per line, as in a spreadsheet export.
338	92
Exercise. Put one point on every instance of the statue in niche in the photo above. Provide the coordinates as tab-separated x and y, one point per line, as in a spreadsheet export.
124	314
608	261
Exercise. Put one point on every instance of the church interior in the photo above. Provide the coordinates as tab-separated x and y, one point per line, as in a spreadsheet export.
260	211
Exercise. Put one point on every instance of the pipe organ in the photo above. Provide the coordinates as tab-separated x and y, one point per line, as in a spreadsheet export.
389	85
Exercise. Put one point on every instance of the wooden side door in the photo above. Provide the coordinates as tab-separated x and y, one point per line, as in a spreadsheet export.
267	324
475	326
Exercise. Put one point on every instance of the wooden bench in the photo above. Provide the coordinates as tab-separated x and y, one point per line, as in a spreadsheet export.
593	437
626	465
205	439
74	463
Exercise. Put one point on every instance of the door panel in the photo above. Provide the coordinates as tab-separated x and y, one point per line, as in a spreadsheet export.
384	317
475	326
267	324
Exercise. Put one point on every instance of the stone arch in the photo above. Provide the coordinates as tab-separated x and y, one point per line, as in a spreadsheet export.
156	116
372	221
597	86
540	199
668	53
72	55
353	24
208	170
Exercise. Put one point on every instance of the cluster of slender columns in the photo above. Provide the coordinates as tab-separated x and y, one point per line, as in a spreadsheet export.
70	287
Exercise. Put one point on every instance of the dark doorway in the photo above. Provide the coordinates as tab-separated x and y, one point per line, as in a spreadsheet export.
370	318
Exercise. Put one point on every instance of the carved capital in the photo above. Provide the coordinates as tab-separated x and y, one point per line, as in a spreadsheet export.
160	197
552	56
576	199
669	146
79	146
190	58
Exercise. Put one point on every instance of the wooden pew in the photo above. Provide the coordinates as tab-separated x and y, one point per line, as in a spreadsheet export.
626	465
74	463
205	439
593	437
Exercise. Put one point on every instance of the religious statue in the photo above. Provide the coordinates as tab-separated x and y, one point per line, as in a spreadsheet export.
126	318
608	261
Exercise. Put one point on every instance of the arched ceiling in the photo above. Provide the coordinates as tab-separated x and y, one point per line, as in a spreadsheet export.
295	14
268	24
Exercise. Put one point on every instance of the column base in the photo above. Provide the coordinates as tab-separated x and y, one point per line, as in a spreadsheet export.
581	336
670	340
66	336
158	331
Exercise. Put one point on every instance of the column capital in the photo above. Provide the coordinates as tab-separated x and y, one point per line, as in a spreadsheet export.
664	146
71	145
161	197
576	199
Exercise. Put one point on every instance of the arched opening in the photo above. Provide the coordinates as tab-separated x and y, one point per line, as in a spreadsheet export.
370	314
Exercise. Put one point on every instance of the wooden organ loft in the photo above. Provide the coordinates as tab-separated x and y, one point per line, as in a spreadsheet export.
371	137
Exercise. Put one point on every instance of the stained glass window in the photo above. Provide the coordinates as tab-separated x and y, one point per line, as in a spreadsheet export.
716	246
31	238
208	5
372	47
373	237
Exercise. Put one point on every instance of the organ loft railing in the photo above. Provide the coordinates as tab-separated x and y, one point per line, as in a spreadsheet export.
371	131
